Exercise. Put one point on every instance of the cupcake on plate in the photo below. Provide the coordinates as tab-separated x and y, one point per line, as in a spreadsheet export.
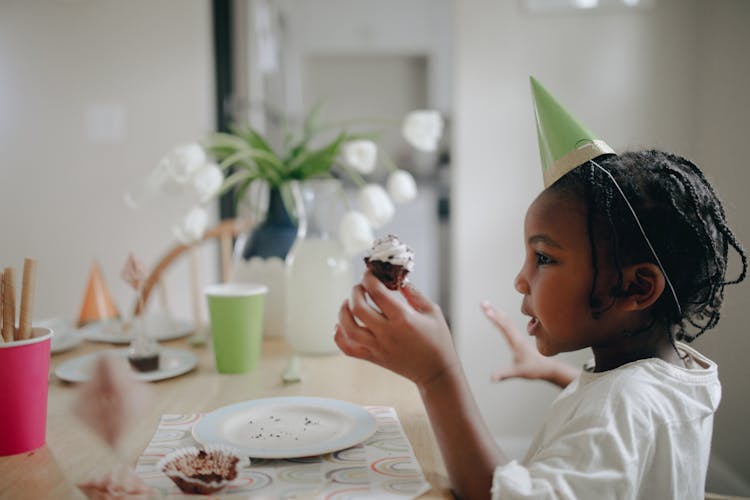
390	261
143	353
201	471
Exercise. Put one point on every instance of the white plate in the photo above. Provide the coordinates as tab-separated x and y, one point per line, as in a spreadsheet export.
160	327
172	362
65	336
286	427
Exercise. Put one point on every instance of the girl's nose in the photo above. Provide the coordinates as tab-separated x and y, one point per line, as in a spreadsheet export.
522	286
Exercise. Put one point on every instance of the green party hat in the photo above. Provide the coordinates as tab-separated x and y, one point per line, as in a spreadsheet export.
564	143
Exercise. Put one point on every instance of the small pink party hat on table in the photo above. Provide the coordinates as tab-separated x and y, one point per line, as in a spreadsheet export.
134	272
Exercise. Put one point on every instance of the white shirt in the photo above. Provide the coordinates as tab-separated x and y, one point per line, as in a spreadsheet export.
640	431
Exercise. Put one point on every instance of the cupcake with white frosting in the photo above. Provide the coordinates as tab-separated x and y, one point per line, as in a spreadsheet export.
390	261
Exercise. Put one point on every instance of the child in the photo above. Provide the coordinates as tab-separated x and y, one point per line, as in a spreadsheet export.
626	255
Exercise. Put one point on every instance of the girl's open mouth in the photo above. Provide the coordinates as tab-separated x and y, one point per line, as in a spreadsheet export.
533	323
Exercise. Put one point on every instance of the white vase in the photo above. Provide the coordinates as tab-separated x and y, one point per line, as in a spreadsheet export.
319	274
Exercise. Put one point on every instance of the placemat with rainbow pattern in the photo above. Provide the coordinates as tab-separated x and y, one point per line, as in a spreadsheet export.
382	467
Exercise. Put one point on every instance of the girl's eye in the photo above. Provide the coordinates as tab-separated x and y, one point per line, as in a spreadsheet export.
542	259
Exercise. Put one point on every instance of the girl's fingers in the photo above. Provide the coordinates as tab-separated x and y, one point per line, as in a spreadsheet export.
503	374
386	300
503	323
354	332
363	310
416	299
349	347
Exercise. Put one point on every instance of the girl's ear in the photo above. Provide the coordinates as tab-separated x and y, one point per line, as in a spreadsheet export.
643	284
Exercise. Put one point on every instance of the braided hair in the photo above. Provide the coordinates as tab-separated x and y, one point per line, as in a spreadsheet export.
684	220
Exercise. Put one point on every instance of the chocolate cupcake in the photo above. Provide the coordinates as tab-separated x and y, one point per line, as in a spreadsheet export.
390	261
143	353
201	471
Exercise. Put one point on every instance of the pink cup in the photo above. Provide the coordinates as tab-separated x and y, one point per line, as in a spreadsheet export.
24	375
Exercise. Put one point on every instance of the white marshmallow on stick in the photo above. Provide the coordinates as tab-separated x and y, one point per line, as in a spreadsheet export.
27	299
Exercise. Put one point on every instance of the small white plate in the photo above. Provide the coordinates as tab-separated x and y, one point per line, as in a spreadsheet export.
286	427
65	336
172	362
160	327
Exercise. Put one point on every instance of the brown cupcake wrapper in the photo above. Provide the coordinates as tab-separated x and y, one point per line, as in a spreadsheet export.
191	484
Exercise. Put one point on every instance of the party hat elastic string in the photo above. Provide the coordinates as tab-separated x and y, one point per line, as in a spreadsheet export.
643	232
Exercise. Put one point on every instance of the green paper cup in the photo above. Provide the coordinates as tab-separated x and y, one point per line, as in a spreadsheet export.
236	312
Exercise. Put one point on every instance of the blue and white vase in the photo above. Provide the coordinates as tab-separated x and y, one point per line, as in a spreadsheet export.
260	255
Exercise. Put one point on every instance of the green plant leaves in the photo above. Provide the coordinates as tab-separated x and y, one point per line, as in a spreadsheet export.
317	162
253	139
244	148
221	144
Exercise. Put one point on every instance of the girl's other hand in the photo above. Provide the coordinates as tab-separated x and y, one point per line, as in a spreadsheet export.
410	338
528	363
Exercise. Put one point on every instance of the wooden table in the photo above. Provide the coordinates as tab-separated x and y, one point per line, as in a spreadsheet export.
72	452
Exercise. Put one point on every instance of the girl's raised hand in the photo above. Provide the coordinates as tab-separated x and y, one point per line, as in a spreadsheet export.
410	338
527	362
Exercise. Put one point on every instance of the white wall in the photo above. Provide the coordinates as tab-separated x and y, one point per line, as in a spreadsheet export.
634	79
359	27
92	94
723	103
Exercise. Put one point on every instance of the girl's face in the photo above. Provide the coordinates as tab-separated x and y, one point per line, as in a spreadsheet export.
556	277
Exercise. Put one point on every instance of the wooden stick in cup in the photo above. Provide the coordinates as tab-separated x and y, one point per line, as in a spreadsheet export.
9	305
2	303
27	299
